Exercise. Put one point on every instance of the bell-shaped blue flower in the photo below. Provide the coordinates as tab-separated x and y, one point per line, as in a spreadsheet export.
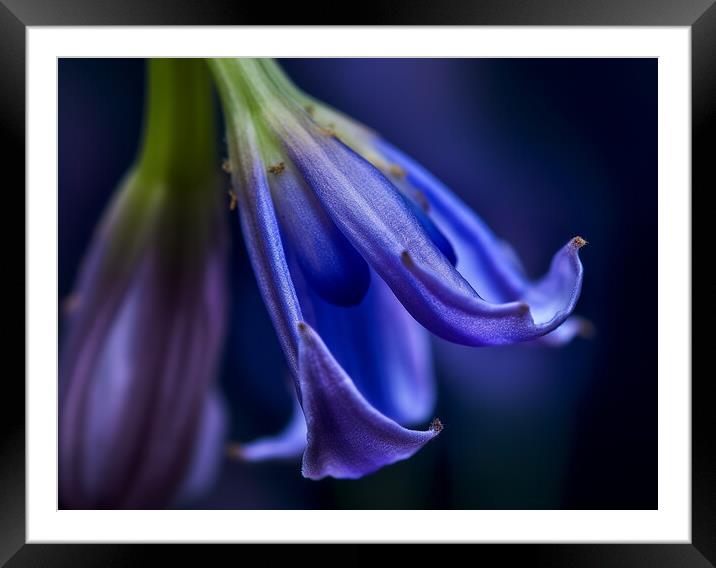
353	245
145	333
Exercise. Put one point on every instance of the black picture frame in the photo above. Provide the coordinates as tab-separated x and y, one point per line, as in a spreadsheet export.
699	15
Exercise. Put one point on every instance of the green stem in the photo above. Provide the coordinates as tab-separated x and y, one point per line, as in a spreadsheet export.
179	145
247	92
244	83
282	81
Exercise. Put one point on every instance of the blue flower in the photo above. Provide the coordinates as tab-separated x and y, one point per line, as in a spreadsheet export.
357	251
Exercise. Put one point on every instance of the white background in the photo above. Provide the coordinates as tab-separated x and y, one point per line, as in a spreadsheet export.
671	522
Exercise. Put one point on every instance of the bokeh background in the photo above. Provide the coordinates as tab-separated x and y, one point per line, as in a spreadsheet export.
542	149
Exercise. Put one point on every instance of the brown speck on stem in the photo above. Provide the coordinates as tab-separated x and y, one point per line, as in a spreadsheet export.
232	200
277	169
436	426
226	166
302	326
310	110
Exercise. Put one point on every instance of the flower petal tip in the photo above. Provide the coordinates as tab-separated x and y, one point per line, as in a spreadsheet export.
347	438
234	452
587	330
578	242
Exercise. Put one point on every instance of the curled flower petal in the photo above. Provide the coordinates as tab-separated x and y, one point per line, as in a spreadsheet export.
489	264
347	438
377	221
329	262
544	309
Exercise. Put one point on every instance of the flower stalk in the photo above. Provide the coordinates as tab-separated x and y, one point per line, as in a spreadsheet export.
179	145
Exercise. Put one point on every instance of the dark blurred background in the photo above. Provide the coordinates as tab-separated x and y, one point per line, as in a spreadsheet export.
542	149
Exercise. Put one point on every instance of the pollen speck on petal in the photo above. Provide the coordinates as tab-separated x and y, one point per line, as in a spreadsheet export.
277	168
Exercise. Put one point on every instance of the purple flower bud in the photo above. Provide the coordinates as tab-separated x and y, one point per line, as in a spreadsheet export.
143	341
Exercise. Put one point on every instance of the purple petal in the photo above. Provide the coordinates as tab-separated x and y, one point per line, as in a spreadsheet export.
439	240
111	388
371	214
287	444
104	278
490	265
134	388
347	438
472	320
329	262
262	238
